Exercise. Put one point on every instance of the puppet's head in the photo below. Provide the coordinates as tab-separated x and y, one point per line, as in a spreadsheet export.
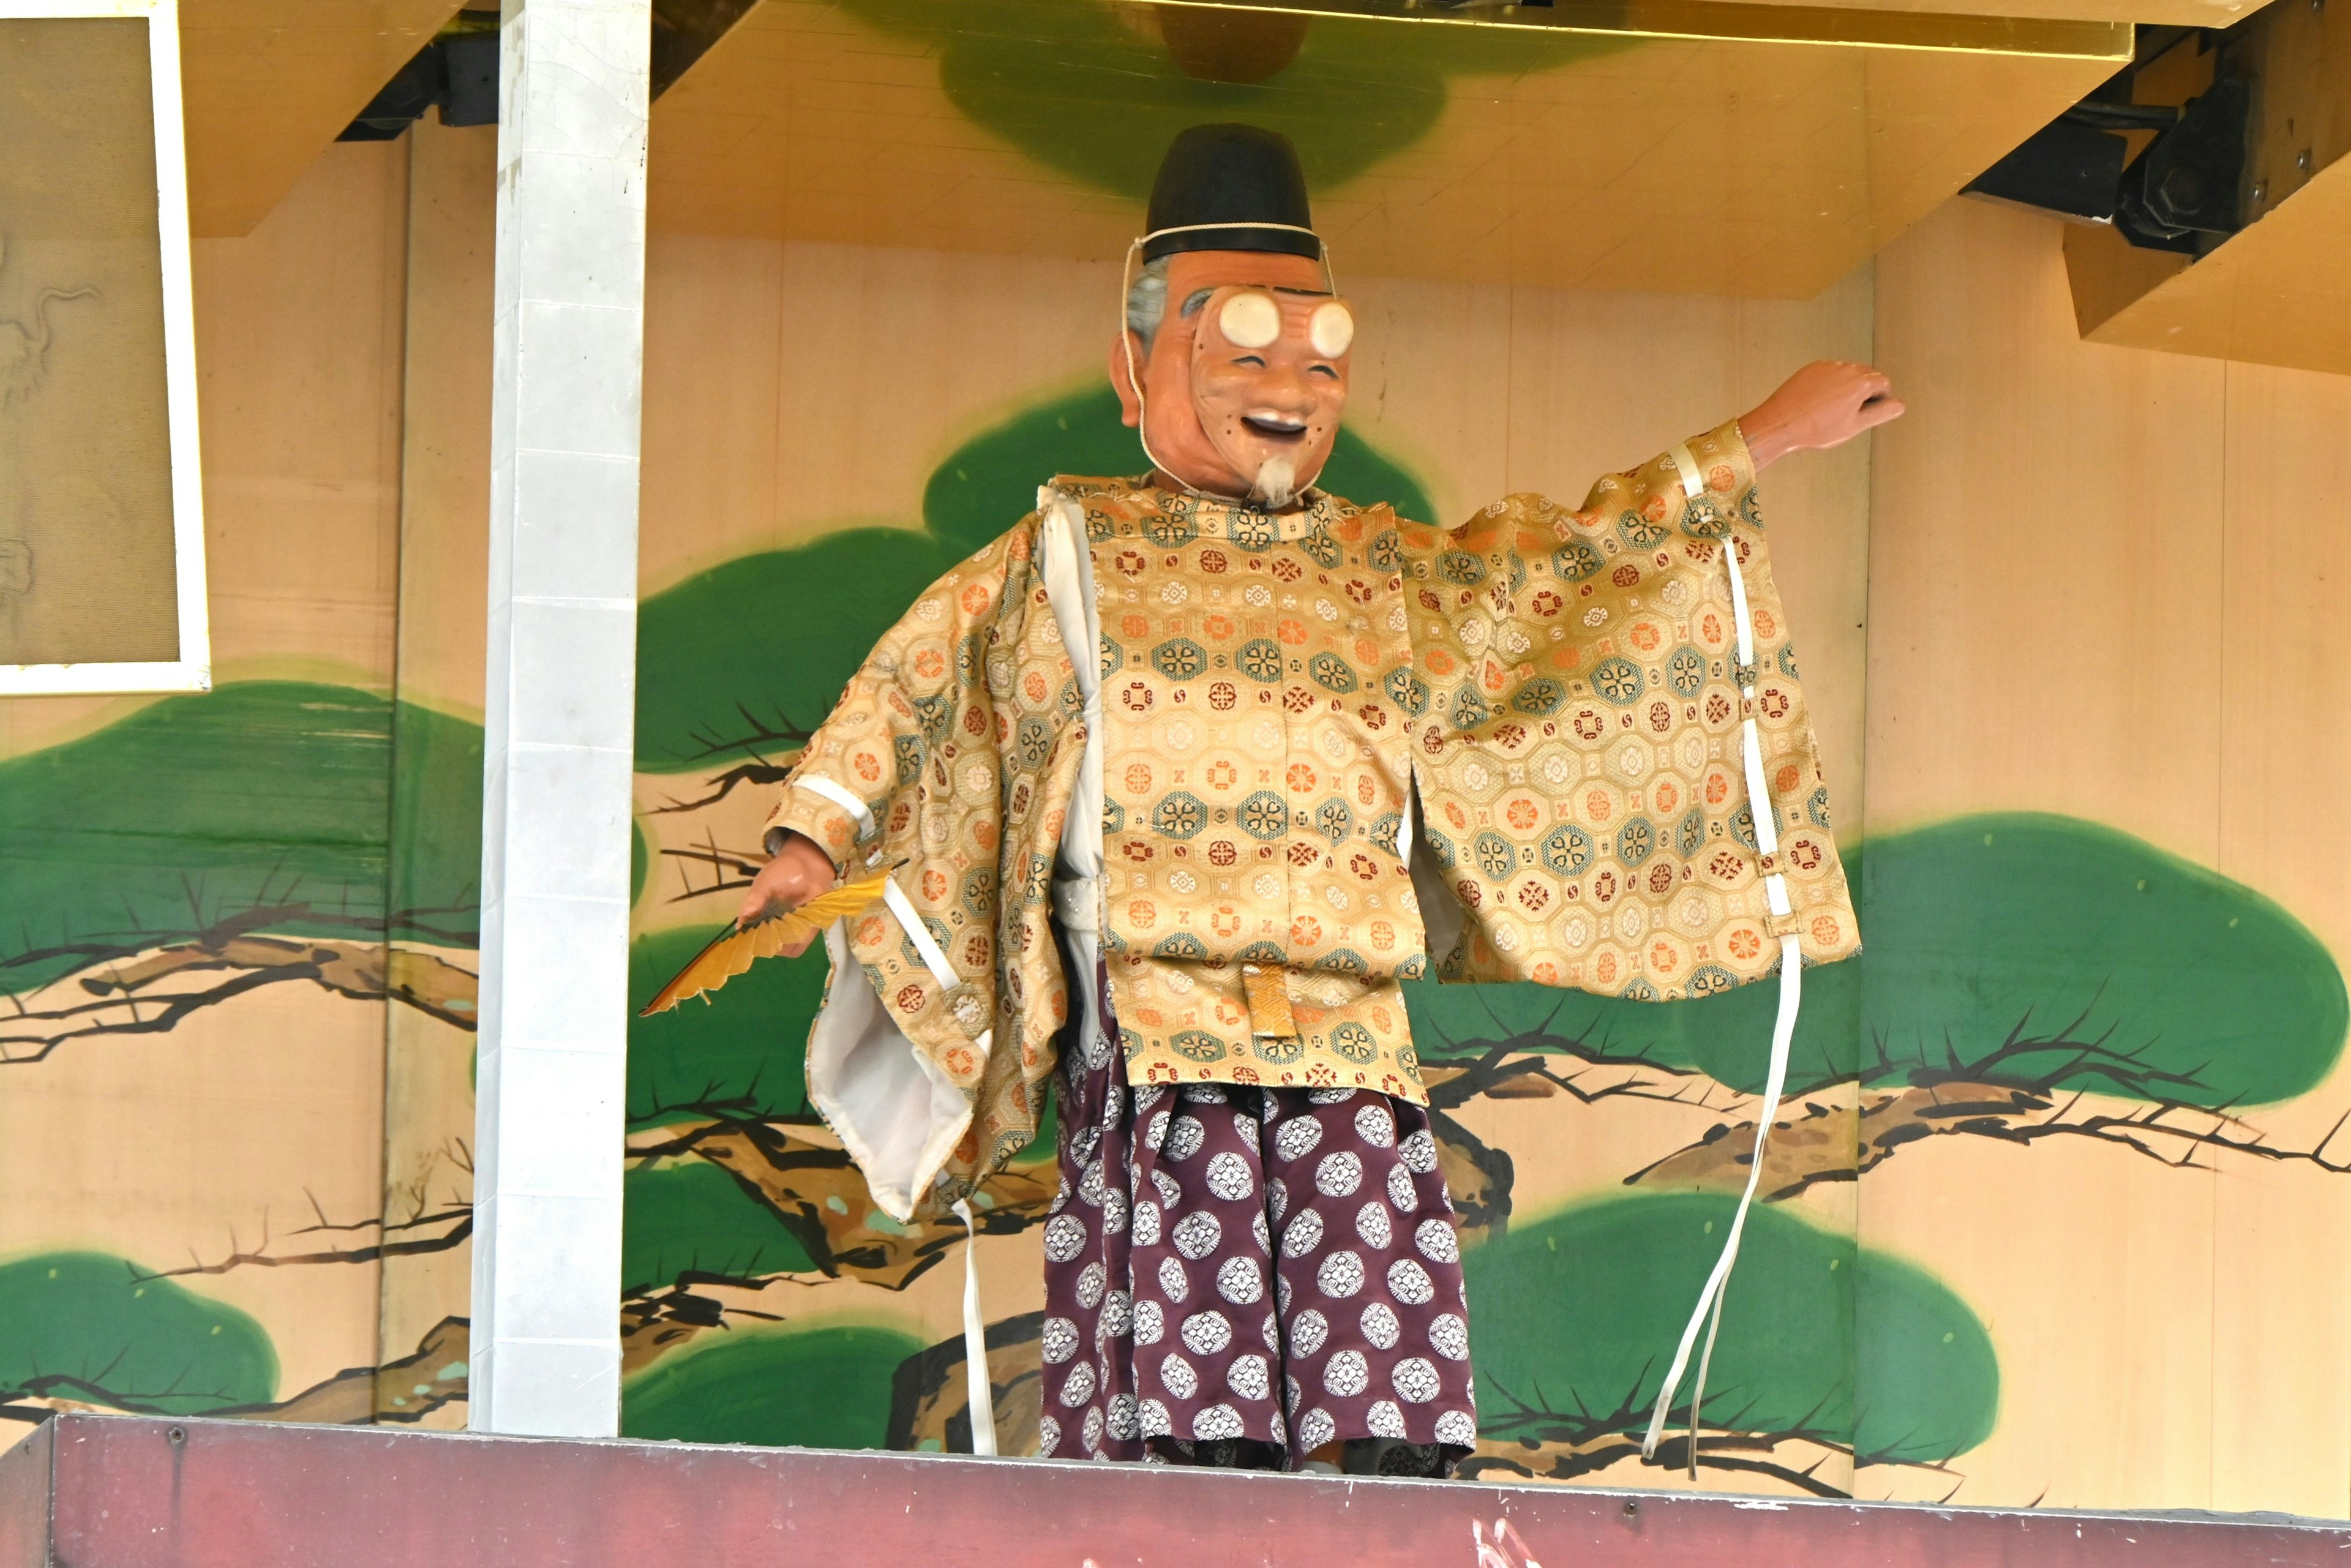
1233	361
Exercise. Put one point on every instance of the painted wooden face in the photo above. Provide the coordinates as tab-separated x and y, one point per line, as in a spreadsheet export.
1246	377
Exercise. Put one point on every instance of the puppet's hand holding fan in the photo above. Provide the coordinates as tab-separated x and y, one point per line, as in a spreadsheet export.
765	929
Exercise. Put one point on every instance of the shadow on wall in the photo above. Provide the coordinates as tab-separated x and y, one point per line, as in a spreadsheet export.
1097	92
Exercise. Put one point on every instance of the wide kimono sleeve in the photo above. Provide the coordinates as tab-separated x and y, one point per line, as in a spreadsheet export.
947	763
1581	764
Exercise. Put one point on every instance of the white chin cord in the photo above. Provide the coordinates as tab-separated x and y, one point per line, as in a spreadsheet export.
1709	1312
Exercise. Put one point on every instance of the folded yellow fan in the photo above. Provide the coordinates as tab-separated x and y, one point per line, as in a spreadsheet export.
734	949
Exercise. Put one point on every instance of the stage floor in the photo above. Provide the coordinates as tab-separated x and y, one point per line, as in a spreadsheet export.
122	1491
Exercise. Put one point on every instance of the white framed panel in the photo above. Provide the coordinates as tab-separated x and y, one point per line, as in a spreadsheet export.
101	493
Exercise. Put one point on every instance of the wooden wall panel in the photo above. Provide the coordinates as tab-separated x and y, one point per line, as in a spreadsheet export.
220	1131
298	351
2281	1381
2103	583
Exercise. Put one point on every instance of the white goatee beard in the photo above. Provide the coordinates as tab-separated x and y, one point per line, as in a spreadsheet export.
1277	483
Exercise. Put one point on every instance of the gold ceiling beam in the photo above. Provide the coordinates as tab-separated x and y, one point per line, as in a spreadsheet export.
1739	22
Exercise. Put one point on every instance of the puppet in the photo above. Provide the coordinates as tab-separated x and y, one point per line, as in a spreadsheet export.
1174	783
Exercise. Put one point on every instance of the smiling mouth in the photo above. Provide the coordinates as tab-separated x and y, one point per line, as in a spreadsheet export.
1274	427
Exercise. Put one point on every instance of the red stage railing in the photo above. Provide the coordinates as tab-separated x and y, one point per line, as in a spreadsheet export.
121	1491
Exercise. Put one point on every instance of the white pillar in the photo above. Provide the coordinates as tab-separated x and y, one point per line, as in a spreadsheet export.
559	716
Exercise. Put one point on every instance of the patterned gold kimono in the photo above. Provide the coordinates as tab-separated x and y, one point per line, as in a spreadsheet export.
1307	755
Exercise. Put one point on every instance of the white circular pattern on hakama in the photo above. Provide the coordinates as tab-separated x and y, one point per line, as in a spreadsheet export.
1228	1177
1184	1138
1418	1152
1205	1333
1415	1380
1437	1241
1408	1282
1303	1235
1384	1419
1238	1281
1079	1387
1342	1275
1372	1225
1146	1224
1450	1336
1173	1283
1250	1377
1176	1375
1457	1428
1401	1191
1315	1429
1380	1326
1308	1330
1061	1338
1297	1137
1217	1423
1065	1238
1091	1280
1344	1375
1196	1235
1339	1174
1150	1323
1375	1124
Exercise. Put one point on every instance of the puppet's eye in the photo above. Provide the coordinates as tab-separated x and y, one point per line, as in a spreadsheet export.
1250	320
1332	329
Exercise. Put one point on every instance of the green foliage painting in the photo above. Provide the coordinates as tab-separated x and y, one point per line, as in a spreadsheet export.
744	660
86	1326
267	803
2032	952
740	1051
693	1217
818	1388
1573	1319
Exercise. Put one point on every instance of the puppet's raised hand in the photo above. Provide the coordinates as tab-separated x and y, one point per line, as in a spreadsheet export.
799	872
1826	404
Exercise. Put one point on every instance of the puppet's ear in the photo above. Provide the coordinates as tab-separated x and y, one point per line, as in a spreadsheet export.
1122	372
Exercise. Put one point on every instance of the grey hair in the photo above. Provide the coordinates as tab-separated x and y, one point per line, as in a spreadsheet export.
1146	299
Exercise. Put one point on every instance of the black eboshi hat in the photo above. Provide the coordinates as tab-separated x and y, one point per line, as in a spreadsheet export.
1234	175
